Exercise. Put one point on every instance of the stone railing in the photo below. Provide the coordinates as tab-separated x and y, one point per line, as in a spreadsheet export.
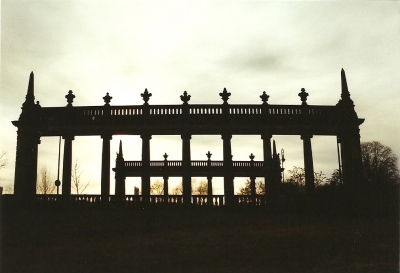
195	163
129	200
137	110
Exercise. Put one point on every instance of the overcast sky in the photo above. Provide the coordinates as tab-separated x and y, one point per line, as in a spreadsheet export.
123	47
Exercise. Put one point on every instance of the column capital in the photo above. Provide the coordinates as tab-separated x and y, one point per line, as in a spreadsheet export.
145	136
266	136
106	136
186	136
68	137
303	136
226	136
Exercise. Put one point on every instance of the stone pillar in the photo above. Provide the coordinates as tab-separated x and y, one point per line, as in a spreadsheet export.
209	191
252	180
308	163
349	135
268	179
105	168
228	177
253	189
119	185
145	168
119	175
351	158
210	201
186	175
29	127
67	166
26	167
166	189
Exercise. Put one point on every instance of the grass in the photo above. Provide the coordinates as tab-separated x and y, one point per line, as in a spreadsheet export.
193	240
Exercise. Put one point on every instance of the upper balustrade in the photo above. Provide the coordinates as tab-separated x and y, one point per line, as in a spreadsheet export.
137	110
195	163
194	118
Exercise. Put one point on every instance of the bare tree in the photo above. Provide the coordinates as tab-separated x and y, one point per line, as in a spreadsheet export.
379	164
157	188
335	178
319	179
298	177
45	184
200	188
77	184
246	189
177	190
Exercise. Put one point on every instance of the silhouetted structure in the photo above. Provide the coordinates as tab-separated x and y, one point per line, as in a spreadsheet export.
186	120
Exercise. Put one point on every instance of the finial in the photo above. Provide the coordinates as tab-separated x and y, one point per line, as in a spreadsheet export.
264	97
30	94
165	156
30	97
225	96
146	96
107	99
303	96
209	155
70	98
345	90
274	149
251	156
185	97
120	148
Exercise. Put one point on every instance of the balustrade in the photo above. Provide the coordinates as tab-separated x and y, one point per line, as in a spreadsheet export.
132	201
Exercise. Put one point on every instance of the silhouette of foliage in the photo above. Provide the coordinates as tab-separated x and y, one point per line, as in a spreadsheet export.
77	184
199	188
297	177
335	179
379	164
246	189
45	185
177	190
157	188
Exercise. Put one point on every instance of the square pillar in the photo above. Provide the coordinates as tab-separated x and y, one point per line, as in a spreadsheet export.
308	163
105	168
145	168
228	177
186	174
67	166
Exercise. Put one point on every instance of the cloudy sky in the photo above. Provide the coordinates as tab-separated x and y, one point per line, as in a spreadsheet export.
123	47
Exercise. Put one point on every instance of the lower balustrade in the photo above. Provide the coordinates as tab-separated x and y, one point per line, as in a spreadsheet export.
154	200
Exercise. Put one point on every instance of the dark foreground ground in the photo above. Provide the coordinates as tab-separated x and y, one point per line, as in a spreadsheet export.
193	240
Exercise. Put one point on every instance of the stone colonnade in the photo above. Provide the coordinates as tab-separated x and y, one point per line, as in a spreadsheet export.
186	164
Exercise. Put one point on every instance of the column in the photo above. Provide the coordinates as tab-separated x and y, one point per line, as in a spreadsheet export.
26	167
351	158
209	191
145	168
252	180
119	185
105	168
67	166
186	175
119	175
308	163
268	179
166	189
228	177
